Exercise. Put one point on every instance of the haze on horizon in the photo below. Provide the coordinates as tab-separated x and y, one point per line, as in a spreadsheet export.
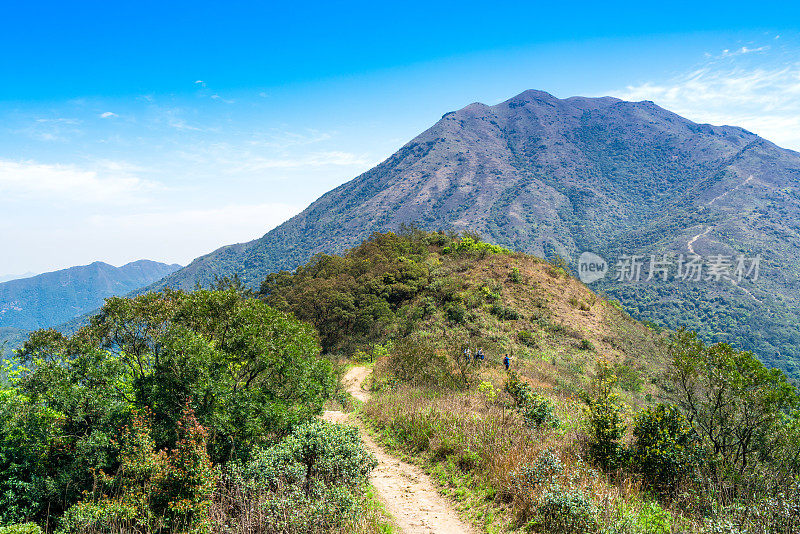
164	132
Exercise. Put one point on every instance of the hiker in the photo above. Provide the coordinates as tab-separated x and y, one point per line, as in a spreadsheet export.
479	355
467	353
507	361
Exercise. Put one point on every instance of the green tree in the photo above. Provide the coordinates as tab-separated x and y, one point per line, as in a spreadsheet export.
605	419
664	449
247	371
735	404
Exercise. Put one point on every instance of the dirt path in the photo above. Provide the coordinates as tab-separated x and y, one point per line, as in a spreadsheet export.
406	491
690	243
747	181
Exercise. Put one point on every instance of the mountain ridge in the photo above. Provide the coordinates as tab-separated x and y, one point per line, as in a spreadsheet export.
50	299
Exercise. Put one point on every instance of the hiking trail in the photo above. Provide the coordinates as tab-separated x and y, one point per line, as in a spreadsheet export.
408	494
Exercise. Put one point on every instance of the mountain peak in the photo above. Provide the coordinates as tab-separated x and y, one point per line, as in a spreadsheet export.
554	176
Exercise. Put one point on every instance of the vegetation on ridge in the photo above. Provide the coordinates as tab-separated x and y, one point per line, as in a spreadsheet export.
195	412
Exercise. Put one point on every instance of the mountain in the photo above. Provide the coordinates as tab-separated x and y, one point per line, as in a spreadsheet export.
553	176
51	299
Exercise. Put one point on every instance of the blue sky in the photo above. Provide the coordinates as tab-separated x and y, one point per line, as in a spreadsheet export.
164	130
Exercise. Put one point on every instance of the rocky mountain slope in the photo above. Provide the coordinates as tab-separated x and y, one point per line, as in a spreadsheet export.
554	176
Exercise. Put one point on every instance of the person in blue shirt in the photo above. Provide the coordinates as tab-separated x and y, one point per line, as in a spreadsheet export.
507	362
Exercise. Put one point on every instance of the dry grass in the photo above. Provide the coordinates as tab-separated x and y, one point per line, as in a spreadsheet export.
474	440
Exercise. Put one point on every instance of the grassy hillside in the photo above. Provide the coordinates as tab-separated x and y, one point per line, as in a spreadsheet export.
394	286
589	432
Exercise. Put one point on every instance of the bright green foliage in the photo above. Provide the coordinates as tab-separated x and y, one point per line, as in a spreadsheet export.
311	482
248	372
653	519
471	244
536	410
664	450
21	528
605	420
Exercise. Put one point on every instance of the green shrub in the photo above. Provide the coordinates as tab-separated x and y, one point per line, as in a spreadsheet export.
151	491
605	420
628	378
536	410
515	276
21	528
530	478
526	338
504	312
456	312
566	512
473	244
653	519
664	447
585	344
311	482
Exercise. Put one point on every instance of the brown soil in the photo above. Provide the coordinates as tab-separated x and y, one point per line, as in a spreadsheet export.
406	491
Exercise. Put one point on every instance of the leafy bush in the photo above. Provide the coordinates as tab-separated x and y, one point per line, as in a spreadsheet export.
664	447
472	244
312	482
515	276
605	420
653	519
456	312
504	313
526	338
151	491
21	528
530	478
585	344
566	512
536	410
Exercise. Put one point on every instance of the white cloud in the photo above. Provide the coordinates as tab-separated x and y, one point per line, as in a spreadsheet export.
108	115
737	52
220	99
110	182
762	97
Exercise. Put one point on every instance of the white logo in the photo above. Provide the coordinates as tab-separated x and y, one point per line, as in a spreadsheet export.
591	267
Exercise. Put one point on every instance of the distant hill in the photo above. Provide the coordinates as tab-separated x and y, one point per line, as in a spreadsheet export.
51	299
554	176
